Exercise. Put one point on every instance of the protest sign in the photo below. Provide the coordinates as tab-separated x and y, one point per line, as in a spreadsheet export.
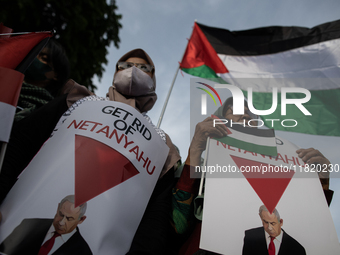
231	204
104	153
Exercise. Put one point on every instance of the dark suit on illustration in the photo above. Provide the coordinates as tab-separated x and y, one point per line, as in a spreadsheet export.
28	237
255	243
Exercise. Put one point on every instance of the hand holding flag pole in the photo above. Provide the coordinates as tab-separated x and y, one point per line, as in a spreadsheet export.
167	98
170	90
200	190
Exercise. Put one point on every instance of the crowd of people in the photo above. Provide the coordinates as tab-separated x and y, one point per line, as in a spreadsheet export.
170	224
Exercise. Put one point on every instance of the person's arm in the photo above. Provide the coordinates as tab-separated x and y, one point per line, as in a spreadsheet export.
183	193
313	156
186	188
203	130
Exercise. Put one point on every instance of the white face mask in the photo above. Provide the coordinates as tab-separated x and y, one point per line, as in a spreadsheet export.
133	82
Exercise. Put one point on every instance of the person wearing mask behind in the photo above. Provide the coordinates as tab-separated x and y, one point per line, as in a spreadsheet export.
44	79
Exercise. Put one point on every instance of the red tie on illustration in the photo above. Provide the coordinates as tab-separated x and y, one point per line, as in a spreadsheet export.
269	186
271	248
98	168
47	246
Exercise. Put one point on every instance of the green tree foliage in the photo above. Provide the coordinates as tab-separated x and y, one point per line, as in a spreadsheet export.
85	28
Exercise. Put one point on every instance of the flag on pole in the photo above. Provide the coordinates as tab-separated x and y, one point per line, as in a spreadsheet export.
16	54
279	53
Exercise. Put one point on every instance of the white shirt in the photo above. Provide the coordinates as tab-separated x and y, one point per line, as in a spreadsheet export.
59	241
277	241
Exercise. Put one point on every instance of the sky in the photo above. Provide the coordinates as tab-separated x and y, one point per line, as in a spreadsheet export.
162	28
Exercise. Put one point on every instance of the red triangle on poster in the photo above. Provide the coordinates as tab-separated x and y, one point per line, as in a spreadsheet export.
98	168
270	185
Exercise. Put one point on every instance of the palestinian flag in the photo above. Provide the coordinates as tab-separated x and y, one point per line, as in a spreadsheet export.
277	56
16	54
256	140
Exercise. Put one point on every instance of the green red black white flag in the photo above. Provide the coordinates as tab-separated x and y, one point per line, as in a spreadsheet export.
300	57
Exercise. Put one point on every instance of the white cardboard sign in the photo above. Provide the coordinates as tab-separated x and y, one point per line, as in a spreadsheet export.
66	160
231	205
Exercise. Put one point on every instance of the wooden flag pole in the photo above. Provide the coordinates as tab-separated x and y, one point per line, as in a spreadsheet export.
25	33
169	92
2	153
200	191
167	98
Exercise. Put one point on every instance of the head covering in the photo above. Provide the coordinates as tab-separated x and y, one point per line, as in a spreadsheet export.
145	103
138	53
142	103
220	112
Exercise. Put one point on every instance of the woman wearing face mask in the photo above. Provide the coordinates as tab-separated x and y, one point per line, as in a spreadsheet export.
134	84
44	79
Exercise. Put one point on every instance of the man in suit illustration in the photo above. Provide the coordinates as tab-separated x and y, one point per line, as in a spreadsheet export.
271	238
50	236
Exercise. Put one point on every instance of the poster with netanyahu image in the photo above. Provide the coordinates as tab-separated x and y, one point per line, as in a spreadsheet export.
260	196
87	188
250	197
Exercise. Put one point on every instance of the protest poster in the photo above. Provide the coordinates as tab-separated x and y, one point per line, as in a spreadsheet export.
106	154
238	182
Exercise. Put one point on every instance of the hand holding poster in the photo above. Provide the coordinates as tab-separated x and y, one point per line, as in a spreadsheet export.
231	205
105	154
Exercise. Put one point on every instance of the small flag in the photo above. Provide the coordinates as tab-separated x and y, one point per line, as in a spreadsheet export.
16	54
275	52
